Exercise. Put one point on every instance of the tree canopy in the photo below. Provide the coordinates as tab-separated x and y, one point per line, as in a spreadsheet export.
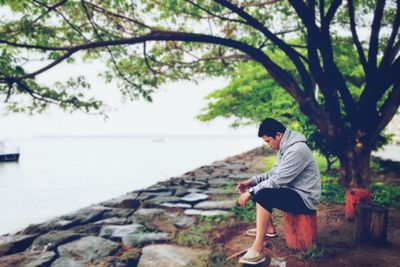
145	43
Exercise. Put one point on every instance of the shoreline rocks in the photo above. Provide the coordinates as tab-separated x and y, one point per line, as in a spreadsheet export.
135	228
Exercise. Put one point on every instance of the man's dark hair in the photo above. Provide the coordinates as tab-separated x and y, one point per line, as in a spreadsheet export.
270	127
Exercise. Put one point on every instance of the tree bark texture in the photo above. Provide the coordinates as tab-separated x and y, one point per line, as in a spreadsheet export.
371	224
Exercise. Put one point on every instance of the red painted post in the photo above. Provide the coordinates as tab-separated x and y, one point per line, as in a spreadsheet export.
355	196
300	230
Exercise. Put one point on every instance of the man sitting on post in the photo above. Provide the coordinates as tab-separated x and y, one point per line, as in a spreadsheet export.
292	185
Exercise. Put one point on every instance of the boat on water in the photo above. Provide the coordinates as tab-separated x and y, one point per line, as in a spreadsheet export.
8	153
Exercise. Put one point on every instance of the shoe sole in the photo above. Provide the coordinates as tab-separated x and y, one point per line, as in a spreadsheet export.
252	262
267	235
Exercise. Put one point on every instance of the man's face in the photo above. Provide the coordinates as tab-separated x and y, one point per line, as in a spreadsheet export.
273	143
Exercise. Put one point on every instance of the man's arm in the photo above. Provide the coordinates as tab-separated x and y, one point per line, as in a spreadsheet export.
243	185
263	176
289	168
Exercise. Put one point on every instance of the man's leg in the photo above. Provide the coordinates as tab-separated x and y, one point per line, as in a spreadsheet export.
271	227
263	218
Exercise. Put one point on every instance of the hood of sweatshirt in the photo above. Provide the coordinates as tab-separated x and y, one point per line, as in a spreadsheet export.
290	138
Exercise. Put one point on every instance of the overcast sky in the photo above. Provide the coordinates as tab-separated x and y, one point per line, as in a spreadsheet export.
172	111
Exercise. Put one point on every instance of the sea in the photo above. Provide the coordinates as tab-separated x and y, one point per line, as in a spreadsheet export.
58	175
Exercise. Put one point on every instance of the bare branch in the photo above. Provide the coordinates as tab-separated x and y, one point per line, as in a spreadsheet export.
354	35
374	39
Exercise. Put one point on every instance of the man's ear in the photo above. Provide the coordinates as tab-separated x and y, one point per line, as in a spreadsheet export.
279	135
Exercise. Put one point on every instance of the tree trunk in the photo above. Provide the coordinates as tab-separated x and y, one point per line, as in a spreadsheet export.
355	168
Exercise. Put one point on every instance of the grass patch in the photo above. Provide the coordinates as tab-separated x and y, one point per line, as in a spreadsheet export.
385	194
194	236
268	162
332	191
247	214
315	253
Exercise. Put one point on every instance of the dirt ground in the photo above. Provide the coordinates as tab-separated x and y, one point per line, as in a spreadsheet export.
335	234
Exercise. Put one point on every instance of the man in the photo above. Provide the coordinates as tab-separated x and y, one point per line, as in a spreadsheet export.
292	185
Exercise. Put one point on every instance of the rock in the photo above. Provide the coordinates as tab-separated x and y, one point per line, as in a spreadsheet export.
195	190
216	191
216	205
90	248
28	259
172	256
143	215
15	243
53	239
140	239
181	191
158	200
55	224
206	212
113	220
126	201
194	197
218	182
87	229
117	232
119	213
156	189
148	195
182	221
196	184
154	219
176	205
86	215
68	262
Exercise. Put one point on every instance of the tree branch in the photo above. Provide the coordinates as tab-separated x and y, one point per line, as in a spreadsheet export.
354	35
374	39
392	49
290	52
326	21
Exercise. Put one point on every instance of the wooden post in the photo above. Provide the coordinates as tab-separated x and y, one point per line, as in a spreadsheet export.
353	197
300	230
371	224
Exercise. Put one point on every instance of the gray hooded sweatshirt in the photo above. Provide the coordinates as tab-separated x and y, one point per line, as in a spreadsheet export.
295	168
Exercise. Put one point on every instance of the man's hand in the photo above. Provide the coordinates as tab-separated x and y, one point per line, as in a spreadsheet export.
244	198
242	186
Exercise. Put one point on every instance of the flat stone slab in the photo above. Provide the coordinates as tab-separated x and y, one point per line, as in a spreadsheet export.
90	248
172	256
120	231
86	215
125	201
14	243
53	239
141	239
154	218
216	191
55	224
176	205
148	214
206	212
68	262
216	205
148	195
194	197
113	220
28	259
182	221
